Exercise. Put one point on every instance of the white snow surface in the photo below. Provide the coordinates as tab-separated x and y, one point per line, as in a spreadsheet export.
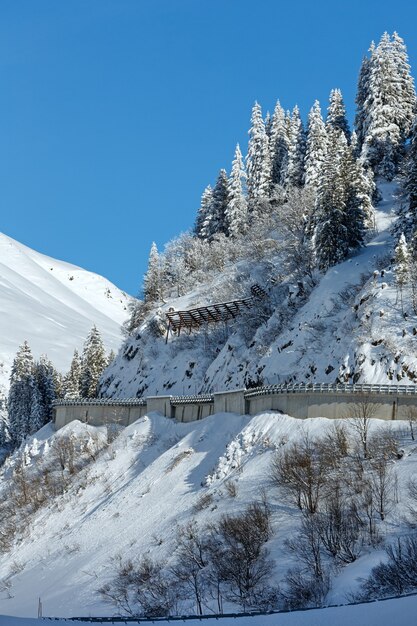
132	499
53	305
332	336
384	613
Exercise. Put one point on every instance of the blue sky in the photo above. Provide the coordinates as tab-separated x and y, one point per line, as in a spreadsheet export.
115	114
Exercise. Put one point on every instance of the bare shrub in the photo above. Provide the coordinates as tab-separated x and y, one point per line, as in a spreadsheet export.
307	584
398	575
240	560
203	502
411	414
360	415
339	526
301	471
177	460
140	587
231	488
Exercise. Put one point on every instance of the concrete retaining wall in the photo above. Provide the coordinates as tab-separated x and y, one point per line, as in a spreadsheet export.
98	414
321	401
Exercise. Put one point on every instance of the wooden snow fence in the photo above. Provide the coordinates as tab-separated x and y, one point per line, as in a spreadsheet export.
211	314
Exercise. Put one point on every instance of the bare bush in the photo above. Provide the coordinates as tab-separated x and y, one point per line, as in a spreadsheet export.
231	488
339	526
239	558
203	502
140	587
360	415
398	575
301	471
308	584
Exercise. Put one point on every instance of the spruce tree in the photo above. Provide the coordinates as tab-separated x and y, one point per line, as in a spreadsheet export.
110	357
203	213
152	279
410	180
22	404
387	113
363	99
72	379
216	220
331	236
402	267
357	193
316	146
336	114
45	377
296	151
236	216
258	162
93	364
278	145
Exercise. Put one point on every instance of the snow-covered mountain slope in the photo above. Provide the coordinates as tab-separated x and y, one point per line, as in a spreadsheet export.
349	327
147	482
52	305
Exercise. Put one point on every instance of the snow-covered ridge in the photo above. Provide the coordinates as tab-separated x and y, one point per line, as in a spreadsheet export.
53	305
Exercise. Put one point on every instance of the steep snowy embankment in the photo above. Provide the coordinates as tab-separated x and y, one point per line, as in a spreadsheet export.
157	475
52	305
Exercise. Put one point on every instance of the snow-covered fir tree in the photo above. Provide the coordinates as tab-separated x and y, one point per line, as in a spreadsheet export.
152	279
203	213
402	267
216	219
45	377
331	236
23	403
73	377
296	151
237	210
410	181
387	113
357	193
279	142
258	161
93	363
362	99
336	114
316	145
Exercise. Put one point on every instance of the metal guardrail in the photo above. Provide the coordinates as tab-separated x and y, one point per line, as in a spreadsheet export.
267	390
100	402
217	617
203	399
332	388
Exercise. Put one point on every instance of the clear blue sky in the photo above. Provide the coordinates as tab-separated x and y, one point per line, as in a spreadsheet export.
115	114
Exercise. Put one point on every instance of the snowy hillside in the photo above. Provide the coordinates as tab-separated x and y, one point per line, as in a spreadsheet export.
129	497
349	328
52	305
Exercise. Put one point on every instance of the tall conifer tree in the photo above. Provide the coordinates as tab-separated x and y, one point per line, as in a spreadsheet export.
336	114
94	362
258	162
316	146
296	151
279	142
204	213
236	210
152	280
